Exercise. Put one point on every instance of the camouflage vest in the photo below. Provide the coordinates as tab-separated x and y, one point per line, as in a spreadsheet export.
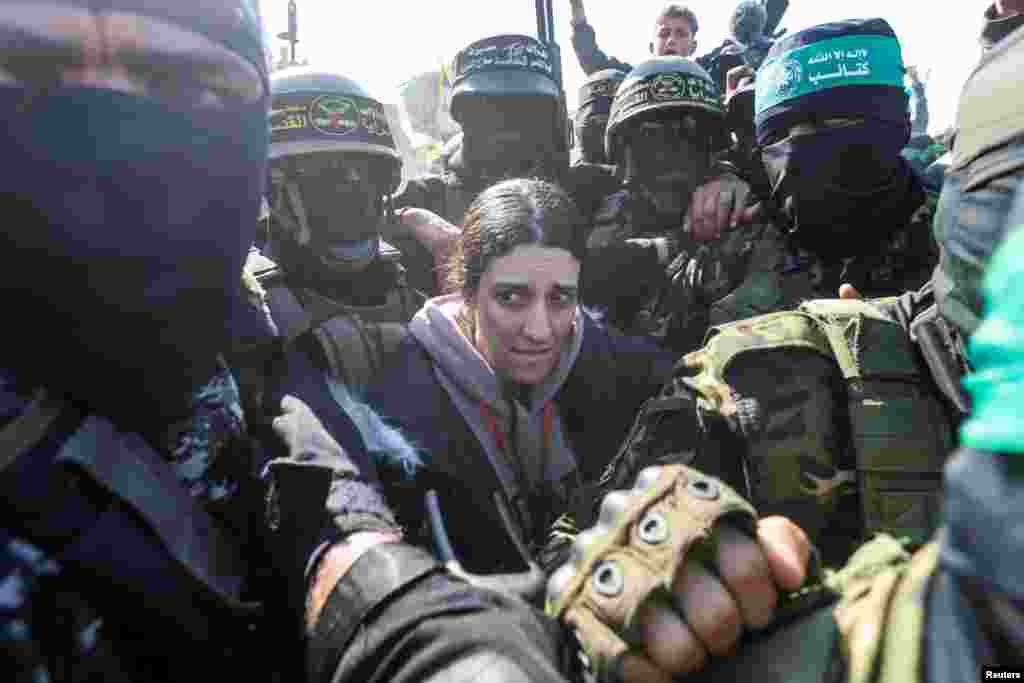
353	339
824	414
771	274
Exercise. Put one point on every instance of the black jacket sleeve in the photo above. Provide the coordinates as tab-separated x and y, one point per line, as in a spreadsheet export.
590	56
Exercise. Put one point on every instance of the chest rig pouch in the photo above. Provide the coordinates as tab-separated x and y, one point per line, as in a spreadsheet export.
803	409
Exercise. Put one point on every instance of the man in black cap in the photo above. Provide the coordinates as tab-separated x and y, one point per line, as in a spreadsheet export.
511	111
508	103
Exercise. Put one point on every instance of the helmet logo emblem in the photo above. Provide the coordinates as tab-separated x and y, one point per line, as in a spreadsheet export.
333	115
791	73
685	87
668	87
519	54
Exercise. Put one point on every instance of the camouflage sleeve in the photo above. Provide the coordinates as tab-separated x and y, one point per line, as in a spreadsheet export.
874	634
881	616
757	274
48	632
22	567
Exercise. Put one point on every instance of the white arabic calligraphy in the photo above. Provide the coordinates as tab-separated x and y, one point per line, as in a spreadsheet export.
524	54
838	55
842	71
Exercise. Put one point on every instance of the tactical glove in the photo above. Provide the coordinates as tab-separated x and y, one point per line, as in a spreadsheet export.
316	494
633	555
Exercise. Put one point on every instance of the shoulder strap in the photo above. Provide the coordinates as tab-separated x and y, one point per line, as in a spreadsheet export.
856	330
290	316
355	349
134	504
786	329
26	430
122	463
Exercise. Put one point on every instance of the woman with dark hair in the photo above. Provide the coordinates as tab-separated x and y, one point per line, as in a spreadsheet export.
516	397
517	400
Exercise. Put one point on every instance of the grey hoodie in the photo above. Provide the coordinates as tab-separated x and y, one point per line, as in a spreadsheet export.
472	384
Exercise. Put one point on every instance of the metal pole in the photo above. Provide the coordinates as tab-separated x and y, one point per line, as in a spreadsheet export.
293	26
551	22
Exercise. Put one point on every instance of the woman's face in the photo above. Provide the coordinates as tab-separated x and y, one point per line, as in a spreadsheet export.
525	308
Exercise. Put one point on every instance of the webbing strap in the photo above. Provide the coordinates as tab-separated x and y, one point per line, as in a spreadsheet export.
26	430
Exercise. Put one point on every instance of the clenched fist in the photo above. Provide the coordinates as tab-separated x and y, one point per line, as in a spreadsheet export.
673	572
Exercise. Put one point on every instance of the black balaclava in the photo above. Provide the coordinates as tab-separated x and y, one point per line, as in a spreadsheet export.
129	208
506	97
341	196
842	188
506	136
667	152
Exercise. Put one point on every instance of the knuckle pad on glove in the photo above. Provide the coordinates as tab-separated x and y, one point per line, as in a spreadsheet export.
634	552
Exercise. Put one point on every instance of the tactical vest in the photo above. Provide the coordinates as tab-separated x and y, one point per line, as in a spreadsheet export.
353	339
808	410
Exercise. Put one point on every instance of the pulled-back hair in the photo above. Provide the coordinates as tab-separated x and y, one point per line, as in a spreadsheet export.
505	216
674	10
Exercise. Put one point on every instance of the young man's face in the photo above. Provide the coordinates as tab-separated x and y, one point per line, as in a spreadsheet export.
672	36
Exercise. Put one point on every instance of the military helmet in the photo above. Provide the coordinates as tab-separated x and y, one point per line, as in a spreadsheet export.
315	111
595	102
662	84
502	65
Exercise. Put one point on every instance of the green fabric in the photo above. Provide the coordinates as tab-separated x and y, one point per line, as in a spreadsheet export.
997	354
871	559
849	60
896	422
841	401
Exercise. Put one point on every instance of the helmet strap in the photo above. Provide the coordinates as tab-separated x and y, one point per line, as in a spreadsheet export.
294	198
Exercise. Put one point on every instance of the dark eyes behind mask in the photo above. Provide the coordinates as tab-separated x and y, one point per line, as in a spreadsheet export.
842	189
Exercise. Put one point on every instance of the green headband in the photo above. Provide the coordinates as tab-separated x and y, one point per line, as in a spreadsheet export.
849	60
